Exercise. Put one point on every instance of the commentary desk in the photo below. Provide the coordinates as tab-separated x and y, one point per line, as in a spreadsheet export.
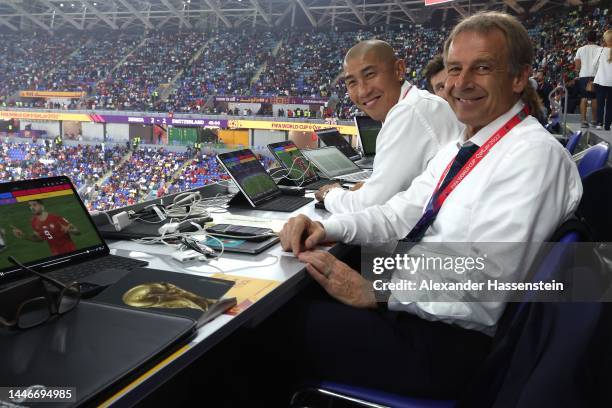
272	264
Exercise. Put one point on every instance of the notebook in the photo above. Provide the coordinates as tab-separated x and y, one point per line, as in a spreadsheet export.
334	165
301	172
367	130
332	137
45	225
257	189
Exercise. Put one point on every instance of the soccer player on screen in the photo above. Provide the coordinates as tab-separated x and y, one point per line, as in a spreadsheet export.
53	229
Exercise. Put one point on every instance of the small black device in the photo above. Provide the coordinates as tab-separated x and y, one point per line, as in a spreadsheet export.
292	190
320	205
240	231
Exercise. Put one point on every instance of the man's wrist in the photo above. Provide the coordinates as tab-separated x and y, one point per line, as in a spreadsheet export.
327	192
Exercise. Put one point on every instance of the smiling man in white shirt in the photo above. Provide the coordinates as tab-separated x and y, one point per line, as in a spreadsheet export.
416	124
516	185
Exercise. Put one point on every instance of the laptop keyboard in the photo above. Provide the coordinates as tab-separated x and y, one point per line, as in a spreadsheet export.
284	204
357	177
85	269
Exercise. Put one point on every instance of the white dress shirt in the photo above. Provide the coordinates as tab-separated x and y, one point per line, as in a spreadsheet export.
415	129
520	192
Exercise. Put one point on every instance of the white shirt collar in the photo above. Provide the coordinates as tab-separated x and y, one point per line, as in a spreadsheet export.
486	132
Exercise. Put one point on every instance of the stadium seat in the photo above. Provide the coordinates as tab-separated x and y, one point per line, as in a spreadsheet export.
573	140
594	208
594	159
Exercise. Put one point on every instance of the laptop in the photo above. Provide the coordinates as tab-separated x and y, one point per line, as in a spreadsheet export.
44	225
301	171
367	130
96	349
335	165
331	137
255	184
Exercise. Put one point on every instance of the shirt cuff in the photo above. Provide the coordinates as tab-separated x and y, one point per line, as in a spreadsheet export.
332	194
333	229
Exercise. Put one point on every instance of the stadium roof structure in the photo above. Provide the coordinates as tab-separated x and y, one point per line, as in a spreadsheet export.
116	15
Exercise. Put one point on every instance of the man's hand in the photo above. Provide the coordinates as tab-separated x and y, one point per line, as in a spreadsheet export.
301	233
339	280
320	194
357	186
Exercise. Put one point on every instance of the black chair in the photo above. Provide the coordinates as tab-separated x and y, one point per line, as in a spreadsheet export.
596	205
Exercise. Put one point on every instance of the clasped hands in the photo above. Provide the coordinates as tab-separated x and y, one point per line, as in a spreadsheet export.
301	235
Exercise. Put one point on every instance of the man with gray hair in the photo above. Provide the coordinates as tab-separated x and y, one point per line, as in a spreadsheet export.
505	180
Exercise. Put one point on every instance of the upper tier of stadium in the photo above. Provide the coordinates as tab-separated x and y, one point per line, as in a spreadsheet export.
183	71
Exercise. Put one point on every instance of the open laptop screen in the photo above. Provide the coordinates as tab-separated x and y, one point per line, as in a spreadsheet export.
249	174
331	161
292	159
43	222
331	137
368	130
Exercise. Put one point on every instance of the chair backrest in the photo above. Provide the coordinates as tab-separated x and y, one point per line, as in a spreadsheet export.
594	208
573	140
594	159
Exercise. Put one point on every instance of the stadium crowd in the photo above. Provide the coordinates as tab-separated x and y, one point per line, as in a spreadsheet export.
85	165
114	175
129	72
135	73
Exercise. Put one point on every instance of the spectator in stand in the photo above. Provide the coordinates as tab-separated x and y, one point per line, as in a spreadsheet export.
603	84
435	76
587	58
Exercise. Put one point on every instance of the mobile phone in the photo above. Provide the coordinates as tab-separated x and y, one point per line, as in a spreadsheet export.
240	232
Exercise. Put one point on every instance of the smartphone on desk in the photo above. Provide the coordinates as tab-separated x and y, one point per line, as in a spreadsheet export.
240	232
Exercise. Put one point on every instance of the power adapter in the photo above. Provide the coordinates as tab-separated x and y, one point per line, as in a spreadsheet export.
121	220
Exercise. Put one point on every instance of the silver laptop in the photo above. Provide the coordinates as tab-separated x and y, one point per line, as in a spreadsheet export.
334	165
367	130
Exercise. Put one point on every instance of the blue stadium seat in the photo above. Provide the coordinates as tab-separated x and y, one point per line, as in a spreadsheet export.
594	159
573	140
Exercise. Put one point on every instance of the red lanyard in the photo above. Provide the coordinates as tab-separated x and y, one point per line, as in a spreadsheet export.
475	159
406	92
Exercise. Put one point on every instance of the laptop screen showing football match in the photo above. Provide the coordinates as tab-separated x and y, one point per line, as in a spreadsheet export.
248	172
293	159
368	129
331	161
44	222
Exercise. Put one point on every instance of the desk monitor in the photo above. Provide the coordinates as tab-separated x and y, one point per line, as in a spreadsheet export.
250	175
332	137
291	158
367	129
44	223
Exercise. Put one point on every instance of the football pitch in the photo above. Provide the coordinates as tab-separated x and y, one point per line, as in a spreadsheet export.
19	216
256	184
